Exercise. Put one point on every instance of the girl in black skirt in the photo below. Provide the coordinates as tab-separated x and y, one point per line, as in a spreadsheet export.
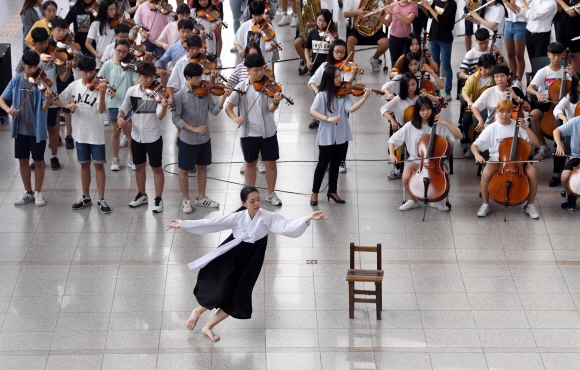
228	274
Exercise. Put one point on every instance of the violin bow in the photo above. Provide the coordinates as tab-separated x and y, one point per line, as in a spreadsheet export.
325	32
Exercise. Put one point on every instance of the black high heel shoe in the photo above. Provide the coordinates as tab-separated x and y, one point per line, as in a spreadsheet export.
313	202
336	200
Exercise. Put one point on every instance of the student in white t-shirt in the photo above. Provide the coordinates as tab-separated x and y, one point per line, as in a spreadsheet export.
490	139
424	122
88	105
121	32
539	88
471	58
100	31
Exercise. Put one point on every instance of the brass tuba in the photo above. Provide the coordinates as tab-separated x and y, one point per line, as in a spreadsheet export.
368	26
307	13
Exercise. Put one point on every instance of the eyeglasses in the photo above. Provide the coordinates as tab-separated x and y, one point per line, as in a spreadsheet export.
339	51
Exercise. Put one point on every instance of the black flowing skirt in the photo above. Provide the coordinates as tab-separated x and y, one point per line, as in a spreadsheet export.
227	281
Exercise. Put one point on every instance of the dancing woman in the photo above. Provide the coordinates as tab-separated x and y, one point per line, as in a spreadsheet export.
228	274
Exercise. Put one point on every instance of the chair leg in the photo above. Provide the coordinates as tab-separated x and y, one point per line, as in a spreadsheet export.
379	299
351	300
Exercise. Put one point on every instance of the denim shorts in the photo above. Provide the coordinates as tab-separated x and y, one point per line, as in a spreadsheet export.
87	151
515	31
113	112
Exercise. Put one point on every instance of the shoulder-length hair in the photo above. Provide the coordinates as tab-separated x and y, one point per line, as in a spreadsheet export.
422	102
404	86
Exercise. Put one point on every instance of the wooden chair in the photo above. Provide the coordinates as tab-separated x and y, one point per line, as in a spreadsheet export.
371	276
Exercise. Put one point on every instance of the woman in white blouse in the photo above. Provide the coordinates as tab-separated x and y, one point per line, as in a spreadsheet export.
540	14
228	274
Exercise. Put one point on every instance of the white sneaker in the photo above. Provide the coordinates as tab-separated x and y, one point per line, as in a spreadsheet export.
139	200
439	205
531	210
243	168
116	165
518	84
123	142
38	199
273	198
206	202
158	205
294	21
261	167
130	164
219	63
375	64
410	204
284	21
395	174
186	207
106	122
484	210
542	153
342	168
24	198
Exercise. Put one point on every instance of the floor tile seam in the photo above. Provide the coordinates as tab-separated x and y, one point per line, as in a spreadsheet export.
238	349
294	262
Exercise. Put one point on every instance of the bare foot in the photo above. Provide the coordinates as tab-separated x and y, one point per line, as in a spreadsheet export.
192	321
210	334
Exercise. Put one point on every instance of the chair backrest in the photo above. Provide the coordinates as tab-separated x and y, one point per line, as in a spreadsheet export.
359	248
538	63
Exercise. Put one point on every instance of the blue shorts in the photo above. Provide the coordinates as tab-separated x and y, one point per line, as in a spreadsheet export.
113	112
87	151
515	31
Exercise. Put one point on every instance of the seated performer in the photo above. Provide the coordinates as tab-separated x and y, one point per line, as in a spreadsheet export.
413	45
493	95
351	9
567	108
423	122
489	139
411	64
472	89
394	111
471	58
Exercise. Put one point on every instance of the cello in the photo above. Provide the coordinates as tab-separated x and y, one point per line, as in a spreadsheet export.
431	181
510	186
425	84
556	92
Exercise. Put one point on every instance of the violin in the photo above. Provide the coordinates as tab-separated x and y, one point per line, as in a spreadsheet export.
498	58
267	33
211	15
158	93
328	36
266	86
347	66
51	54
40	80
137	50
92	8
70	49
208	67
431	181
355	90
96	83
556	92
200	28
161	6
217	89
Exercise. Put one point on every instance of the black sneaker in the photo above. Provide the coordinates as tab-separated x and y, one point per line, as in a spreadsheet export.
32	166
158	206
70	143
83	202
303	71
54	164
314	124
59	139
103	206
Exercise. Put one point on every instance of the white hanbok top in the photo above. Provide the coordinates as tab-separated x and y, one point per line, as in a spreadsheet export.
244	228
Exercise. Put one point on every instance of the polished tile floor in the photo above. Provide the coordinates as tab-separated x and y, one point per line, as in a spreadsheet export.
82	290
